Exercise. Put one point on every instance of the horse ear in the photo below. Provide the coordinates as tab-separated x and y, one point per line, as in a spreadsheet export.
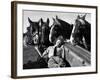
56	17
78	17
29	20
40	22
84	16
53	19
48	21
57	20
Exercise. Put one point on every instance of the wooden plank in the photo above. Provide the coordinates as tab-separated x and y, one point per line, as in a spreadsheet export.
80	52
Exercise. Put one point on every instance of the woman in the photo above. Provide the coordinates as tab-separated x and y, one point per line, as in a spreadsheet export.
55	55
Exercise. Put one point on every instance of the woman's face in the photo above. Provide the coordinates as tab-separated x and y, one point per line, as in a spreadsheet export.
58	43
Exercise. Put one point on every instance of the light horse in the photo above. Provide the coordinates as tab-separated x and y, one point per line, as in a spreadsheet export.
81	33
60	28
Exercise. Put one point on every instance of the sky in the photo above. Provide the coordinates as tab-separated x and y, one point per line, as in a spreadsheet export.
36	15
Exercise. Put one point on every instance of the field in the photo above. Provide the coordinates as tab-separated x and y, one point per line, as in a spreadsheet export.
32	59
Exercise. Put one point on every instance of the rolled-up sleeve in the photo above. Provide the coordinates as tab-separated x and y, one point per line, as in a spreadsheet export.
45	53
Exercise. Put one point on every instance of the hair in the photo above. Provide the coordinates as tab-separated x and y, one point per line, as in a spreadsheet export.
60	38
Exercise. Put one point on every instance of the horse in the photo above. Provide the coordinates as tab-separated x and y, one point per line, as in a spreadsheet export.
31	31
81	33
44	31
60	28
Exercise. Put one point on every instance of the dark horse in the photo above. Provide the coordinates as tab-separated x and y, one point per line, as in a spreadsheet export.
81	33
60	28
44	31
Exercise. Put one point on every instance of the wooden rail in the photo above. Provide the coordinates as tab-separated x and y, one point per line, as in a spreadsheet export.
77	56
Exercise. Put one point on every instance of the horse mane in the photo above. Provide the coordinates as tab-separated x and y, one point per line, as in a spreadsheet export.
63	23
66	28
87	23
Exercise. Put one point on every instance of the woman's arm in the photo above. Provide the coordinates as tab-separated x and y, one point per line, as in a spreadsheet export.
45	55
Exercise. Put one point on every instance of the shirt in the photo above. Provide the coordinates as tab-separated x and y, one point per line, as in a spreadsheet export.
49	52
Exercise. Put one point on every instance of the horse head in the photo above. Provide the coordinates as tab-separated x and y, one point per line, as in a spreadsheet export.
81	33
44	31
59	28
34	26
55	30
32	31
